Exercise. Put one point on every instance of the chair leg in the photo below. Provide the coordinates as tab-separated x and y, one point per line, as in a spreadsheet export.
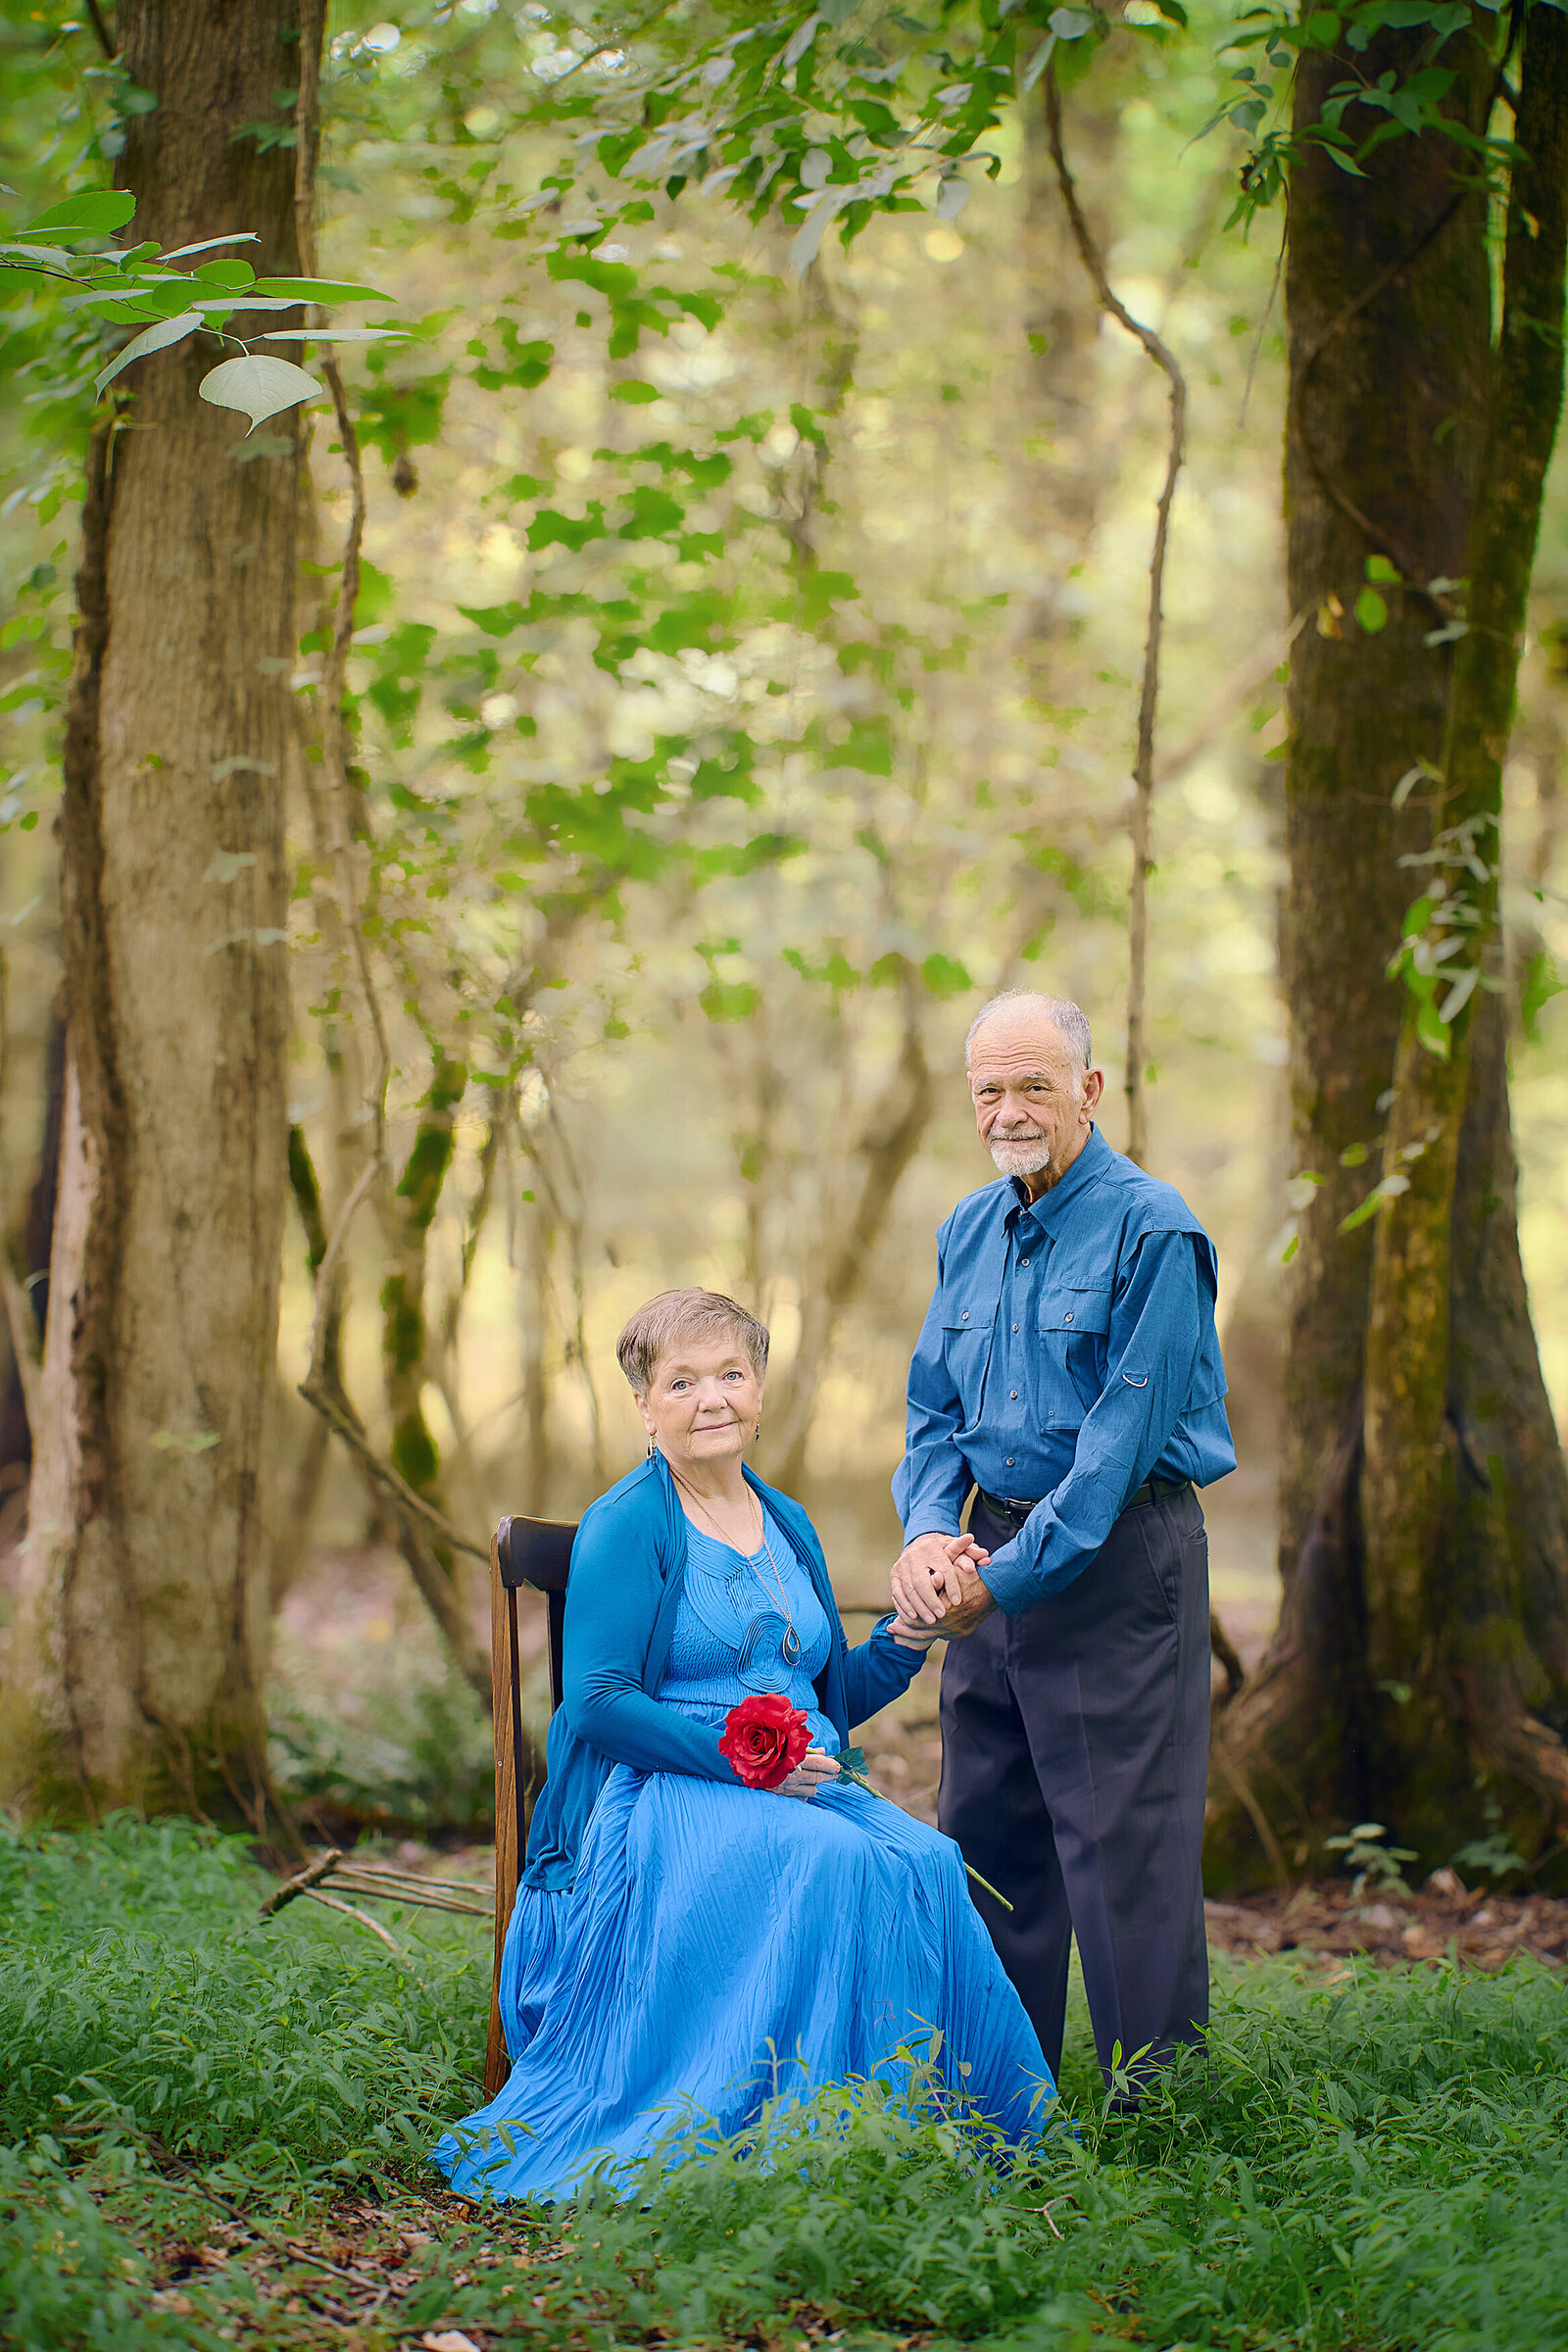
503	1691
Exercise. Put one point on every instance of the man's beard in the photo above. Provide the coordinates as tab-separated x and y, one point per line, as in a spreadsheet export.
1021	1154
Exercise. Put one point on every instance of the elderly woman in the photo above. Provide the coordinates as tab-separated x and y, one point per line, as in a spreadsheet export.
685	1946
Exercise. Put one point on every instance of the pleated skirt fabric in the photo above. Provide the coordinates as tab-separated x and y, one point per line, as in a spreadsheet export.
723	1948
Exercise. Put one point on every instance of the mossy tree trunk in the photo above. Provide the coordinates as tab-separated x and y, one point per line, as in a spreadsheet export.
134	1678
1445	1600
407	1214
1425	1513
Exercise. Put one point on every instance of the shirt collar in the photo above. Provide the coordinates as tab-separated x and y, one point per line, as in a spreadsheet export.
1087	1169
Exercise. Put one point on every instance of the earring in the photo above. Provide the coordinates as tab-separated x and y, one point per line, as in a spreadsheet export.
652	1449
758	1431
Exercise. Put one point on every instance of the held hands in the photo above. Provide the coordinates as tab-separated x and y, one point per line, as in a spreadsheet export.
813	1772
938	1590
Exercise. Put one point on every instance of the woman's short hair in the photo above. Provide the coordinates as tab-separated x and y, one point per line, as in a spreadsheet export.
676	1315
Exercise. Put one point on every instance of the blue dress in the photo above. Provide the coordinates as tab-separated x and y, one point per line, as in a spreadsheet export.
722	1946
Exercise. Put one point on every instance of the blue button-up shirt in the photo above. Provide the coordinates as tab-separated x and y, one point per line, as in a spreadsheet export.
1068	1354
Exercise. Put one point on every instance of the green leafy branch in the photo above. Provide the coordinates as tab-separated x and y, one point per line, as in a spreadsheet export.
1437	958
1407	105
138	287
823	120
826	119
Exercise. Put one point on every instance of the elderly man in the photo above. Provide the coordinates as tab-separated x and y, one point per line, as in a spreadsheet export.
1069	1372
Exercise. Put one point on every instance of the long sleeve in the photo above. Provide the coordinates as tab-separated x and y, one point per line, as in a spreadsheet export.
612	1606
933	1480
1152	1343
876	1672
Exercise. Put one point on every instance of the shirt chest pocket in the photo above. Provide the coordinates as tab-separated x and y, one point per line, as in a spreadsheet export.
967	1346
1076	1308
1073	1321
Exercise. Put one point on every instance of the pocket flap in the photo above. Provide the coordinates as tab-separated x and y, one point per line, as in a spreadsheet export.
1076	1306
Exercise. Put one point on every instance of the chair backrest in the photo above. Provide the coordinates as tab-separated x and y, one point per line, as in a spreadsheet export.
538	1552
523	1551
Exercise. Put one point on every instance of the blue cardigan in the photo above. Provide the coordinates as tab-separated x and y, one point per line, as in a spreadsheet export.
628	1568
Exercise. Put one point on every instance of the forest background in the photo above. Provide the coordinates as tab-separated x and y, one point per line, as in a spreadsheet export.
743	682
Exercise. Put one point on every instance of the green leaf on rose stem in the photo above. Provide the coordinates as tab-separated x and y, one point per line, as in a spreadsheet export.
852	1759
158	337
259	386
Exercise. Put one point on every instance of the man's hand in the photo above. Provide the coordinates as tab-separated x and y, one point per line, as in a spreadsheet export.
976	1602
928	1580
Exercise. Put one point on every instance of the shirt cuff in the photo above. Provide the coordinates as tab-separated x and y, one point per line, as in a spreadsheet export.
926	1523
1010	1581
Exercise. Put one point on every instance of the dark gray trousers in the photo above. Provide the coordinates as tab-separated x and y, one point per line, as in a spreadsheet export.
1074	1762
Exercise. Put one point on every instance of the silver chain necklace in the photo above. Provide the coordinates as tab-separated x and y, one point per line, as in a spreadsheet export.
790	1646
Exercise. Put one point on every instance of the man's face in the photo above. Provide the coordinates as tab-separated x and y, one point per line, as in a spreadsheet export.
1033	1106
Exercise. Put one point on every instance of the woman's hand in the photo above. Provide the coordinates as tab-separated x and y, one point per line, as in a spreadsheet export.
813	1771
910	1635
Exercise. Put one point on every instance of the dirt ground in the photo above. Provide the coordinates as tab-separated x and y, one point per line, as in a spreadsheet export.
1326	1917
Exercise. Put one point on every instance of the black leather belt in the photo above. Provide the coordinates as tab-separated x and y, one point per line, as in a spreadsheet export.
1015	1510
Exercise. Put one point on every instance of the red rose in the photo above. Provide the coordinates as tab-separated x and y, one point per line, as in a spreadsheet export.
765	1738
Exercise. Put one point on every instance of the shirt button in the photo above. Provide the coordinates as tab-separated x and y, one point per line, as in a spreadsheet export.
1013	1394
964	1317
1023	1262
1008	1463
1066	1318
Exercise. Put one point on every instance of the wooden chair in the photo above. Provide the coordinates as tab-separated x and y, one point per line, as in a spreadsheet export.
523	1551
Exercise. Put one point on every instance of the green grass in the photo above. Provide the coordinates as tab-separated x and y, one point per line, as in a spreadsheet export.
192	2102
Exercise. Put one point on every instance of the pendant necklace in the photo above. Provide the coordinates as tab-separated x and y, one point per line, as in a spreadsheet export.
790	1646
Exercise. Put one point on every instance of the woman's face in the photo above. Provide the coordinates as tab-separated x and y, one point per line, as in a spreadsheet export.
704	1402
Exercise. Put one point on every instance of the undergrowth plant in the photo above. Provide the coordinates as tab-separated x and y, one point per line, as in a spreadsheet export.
1375	2165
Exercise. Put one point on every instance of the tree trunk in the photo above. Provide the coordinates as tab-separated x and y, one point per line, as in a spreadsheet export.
407	1216
533	1317
292	1531
27	1304
1443	1617
137	1666
1424	1520
1369	387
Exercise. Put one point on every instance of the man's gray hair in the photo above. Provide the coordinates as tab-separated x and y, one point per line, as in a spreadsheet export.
1070	1023
675	1315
